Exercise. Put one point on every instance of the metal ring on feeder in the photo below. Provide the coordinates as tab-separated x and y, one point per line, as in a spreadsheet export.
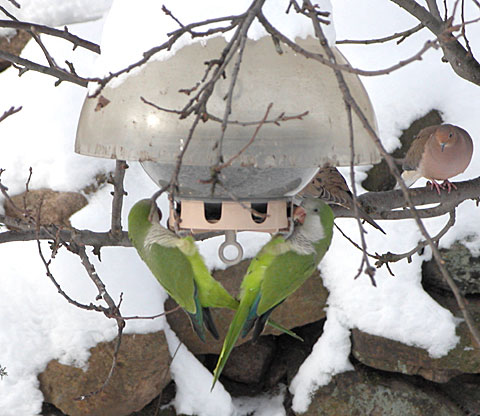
230	240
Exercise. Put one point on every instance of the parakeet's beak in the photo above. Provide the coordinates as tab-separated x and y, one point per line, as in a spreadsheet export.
299	215
442	146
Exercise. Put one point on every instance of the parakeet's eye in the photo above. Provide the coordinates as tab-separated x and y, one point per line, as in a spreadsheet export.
315	210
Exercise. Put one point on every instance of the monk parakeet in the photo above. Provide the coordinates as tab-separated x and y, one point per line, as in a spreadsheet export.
178	266
278	270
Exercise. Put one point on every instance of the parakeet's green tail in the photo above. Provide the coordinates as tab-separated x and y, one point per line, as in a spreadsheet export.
232	335
260	323
251	318
202	319
197	318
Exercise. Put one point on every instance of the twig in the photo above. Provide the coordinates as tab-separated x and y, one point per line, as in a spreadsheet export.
118	193
210	117
356	245
402	35
64	34
9	112
113	311
15	4
173	183
369	270
60	74
432	6
7	13
464	34
198	102
247	145
240	48
86	237
177	308
392	258
112	368
458	57
167	45
346	68
90	307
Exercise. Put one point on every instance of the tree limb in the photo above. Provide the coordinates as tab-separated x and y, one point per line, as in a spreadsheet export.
402	35
26	64
463	63
64	34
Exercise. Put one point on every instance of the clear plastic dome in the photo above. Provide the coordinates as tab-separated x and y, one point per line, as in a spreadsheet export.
281	159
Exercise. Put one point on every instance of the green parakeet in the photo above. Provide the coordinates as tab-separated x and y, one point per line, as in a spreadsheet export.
278	270
178	266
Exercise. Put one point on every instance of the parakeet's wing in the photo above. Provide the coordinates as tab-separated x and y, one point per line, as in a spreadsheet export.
285	274
210	291
174	272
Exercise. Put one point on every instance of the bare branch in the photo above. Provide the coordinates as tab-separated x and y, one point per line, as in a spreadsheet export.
432	5
247	145
64	34
86	237
173	37
9	112
118	193
391	257
15	4
112	367
347	67
113	310
402	35
463	63
60	74
90	307
211	117
369	270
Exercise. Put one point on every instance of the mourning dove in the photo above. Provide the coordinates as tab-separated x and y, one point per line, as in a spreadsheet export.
438	153
330	186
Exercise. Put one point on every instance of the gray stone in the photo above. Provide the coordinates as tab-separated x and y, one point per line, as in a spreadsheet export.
248	362
142	371
463	267
389	355
464	390
368	392
291	353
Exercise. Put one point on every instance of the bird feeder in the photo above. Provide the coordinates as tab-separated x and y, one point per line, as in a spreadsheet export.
306	127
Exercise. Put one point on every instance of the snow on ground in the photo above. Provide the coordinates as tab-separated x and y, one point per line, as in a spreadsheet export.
42	136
